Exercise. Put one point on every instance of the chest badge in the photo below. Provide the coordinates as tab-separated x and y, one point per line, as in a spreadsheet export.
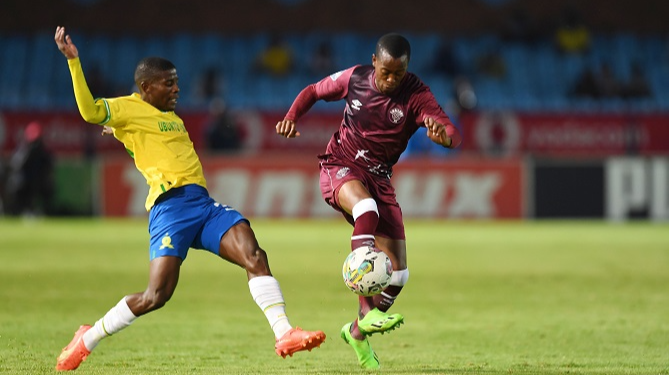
396	115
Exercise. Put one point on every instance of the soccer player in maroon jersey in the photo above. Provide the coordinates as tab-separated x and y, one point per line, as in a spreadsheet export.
385	106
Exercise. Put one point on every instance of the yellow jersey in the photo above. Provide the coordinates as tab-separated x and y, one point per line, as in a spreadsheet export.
158	141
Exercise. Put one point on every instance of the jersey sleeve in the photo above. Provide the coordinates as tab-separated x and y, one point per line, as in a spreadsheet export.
331	88
91	110
426	106
335	86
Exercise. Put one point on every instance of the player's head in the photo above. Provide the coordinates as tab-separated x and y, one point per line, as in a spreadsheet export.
391	61
157	81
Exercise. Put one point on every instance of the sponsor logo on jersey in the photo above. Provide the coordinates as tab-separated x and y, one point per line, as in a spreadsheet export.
355	104
171	126
342	172
361	154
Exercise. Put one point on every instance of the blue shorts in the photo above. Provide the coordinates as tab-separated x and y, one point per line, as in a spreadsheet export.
186	217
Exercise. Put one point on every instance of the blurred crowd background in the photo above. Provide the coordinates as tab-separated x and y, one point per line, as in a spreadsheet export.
576	93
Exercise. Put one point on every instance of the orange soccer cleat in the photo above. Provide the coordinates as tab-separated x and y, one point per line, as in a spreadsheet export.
74	353
297	340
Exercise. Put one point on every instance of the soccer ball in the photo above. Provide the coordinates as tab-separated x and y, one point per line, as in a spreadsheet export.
367	271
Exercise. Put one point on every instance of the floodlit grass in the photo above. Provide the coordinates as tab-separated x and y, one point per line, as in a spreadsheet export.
483	298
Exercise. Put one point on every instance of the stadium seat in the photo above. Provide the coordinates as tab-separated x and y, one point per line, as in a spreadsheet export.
538	78
14	56
127	51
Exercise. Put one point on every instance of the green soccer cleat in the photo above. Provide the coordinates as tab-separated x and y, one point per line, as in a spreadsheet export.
377	321
366	356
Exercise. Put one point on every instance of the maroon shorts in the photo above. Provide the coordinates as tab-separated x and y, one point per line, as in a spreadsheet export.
334	173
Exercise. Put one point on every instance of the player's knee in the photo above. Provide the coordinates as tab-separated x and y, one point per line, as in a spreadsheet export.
399	277
364	206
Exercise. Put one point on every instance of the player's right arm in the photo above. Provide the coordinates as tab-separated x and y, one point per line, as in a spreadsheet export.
92	112
331	88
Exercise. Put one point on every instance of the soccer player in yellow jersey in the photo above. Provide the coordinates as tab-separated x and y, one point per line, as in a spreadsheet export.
181	213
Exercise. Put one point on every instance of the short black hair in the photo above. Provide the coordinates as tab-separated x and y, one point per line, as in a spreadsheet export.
395	45
149	67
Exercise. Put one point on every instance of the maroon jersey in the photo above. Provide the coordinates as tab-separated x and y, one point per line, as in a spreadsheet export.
376	128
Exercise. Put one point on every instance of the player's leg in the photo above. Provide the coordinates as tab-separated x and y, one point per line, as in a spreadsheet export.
343	190
362	211
354	198
396	250
367	358
373	316
169	246
238	245
163	277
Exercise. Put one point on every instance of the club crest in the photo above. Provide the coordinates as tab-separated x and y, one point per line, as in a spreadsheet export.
396	115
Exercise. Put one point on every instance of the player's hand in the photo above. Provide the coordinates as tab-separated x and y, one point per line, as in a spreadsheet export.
64	43
106	130
437	132
286	128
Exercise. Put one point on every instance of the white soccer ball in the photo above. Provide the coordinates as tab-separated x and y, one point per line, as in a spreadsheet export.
367	271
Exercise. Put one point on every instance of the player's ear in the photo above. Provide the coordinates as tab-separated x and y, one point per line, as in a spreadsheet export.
143	86
374	59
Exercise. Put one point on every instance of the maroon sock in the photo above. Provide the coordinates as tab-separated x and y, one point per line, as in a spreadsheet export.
386	299
365	304
363	230
355	331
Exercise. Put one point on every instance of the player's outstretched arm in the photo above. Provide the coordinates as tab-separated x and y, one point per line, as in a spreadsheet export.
286	128
89	110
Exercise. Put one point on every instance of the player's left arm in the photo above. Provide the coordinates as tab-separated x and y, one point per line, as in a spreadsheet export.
440	129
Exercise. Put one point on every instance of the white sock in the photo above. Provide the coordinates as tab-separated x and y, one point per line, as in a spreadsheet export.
114	320
266	292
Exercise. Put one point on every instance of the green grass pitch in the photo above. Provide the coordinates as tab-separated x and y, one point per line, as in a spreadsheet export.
563	297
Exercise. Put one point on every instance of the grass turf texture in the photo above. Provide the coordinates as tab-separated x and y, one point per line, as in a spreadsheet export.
483	297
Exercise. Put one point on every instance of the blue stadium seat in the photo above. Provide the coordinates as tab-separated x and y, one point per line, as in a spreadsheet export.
33	75
98	49
41	61
423	49
127	52
351	49
14	56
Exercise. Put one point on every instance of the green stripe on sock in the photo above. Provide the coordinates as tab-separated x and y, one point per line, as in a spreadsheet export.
105	329
275	304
